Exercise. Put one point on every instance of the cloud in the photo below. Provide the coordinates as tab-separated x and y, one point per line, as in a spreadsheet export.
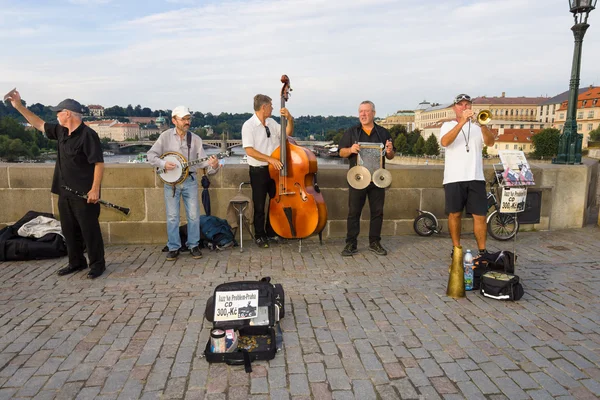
216	56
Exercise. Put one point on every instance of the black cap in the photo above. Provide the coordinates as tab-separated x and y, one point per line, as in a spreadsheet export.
68	104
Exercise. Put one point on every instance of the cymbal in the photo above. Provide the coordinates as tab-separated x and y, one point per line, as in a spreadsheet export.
382	178
358	177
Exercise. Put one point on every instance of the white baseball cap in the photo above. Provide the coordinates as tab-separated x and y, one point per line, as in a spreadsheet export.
180	111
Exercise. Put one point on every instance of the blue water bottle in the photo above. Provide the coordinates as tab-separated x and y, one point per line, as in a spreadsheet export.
468	266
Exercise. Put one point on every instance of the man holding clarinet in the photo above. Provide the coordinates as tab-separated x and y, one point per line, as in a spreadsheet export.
79	168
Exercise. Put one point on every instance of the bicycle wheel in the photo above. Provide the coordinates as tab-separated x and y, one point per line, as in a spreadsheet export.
424	225
502	226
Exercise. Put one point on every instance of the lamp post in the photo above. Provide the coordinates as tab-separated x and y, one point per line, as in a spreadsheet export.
569	147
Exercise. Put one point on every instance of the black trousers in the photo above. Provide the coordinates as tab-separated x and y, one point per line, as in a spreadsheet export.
356	202
262	185
79	223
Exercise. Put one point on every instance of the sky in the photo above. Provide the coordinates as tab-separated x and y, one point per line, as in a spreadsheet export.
214	56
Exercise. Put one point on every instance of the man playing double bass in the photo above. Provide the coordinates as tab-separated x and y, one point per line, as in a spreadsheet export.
260	137
366	131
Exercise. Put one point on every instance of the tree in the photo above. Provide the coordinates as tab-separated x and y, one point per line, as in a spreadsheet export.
154	136
545	143
397	130
595	135
338	136
401	144
104	143
419	146
484	151
412	139
431	148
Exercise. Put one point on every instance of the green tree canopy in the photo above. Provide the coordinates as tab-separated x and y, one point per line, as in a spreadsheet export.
595	135
545	143
401	144
419	146
431	148
397	130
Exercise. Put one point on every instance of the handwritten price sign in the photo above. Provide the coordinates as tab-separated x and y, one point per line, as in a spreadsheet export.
234	305
513	200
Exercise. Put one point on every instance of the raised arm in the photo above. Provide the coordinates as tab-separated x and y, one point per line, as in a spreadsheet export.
15	100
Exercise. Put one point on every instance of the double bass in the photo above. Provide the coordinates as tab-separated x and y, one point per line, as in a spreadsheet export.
298	209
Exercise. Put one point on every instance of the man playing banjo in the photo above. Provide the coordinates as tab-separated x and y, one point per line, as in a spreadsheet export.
181	140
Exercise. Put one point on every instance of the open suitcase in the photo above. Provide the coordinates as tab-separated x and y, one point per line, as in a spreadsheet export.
252	309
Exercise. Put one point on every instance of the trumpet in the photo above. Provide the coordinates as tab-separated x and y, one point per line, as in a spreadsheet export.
484	117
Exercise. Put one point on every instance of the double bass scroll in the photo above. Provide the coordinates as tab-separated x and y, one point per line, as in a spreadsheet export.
298	209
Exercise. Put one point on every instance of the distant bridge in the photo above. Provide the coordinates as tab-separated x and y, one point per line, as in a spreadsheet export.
229	144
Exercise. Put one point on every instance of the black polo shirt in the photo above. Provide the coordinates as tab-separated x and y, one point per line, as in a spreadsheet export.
77	155
356	134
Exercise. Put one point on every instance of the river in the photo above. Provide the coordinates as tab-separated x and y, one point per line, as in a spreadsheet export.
236	158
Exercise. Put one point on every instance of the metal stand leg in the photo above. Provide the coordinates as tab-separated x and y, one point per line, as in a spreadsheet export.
240	208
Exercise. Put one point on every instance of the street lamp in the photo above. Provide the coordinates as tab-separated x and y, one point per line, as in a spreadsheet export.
569	148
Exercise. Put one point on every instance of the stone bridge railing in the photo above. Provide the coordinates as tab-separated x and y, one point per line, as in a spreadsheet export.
566	197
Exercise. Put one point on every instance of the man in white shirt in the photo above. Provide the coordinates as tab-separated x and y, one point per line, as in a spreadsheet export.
260	137
464	183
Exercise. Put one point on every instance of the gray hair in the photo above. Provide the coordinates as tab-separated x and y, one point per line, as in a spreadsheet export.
76	114
368	102
260	100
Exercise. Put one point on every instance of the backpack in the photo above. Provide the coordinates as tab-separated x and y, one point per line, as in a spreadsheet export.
249	322
215	234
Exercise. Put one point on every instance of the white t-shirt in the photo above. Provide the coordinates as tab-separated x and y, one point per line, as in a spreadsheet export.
254	135
460	165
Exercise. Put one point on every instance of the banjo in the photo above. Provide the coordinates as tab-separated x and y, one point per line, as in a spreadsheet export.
181	171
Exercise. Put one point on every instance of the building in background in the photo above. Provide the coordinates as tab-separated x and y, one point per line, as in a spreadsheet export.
547	109
513	139
96	110
115	130
405	118
588	113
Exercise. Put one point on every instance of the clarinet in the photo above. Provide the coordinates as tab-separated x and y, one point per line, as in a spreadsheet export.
124	210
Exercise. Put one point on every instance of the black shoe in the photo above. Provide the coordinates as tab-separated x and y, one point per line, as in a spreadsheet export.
376	248
262	243
196	253
172	255
273	239
69	269
94	273
349	250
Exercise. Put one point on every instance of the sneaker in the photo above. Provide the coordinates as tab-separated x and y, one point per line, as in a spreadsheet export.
225	246
196	253
273	239
349	250
172	255
376	248
262	243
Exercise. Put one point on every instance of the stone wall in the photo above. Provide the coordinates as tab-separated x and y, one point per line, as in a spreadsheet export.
25	187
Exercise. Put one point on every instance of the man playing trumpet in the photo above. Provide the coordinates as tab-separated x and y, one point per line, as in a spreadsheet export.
464	183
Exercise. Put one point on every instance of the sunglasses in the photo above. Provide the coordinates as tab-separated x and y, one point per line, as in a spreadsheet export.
268	131
462	97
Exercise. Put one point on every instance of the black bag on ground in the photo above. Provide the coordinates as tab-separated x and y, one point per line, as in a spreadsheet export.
17	248
501	286
256	337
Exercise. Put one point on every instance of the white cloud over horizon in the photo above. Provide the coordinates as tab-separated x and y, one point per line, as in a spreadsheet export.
214	56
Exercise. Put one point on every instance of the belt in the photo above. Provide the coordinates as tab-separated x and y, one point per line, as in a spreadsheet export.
260	167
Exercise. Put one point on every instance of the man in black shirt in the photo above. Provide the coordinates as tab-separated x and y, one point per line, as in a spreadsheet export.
79	166
366	131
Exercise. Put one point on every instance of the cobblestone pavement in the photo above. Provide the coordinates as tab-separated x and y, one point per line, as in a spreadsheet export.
363	327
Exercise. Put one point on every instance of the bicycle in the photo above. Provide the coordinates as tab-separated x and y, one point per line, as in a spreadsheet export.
500	226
